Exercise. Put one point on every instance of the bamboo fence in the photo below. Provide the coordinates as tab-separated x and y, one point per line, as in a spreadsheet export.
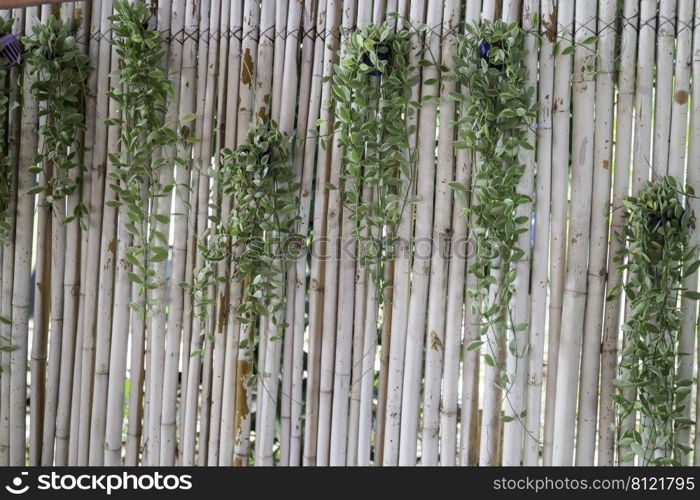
86	381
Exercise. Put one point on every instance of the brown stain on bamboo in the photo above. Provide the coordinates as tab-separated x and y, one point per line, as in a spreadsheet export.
681	97
550	27
248	66
112	246
78	16
606	164
435	342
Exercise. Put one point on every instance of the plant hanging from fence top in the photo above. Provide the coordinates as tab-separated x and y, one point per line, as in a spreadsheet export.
60	88
657	253
258	236
371	95
142	92
490	66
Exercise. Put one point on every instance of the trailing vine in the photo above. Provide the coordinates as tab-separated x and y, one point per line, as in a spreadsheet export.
256	236
371	95
142	93
657	255
499	108
5	166
60	88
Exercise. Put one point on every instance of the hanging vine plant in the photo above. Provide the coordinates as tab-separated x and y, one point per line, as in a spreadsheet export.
256	236
60	88
490	67
657	261
5	108
142	93
371	95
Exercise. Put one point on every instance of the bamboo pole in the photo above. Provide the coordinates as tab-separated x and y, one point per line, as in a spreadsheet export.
67	429
560	158
8	248
622	165
665	44
248	92
600	211
323	60
41	308
181	208
420	271
293	364
337	430
226	336
279	36
271	396
441	258
516	362
402	270
540	252
573	310
157	326
217	55
694	152
642	148
42	296
75	240
469	418
22	269
331	303
320	246
676	166
98	248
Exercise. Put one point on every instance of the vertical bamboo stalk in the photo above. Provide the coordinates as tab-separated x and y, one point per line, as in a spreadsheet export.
320	246
469	418
293	362
332	276
22	268
573	309
516	362
676	166
402	270
271	397
665	42
560	158
75	239
441	258
250	67
540	252
694	152
181	207
98	247
225	336
8	247
622	165
41	308
262	110
417	310
42	299
337	431
600	211
322	64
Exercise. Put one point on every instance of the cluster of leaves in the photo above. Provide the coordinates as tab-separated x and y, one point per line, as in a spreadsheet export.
371	94
61	72
259	235
499	108
5	167
657	256
142	93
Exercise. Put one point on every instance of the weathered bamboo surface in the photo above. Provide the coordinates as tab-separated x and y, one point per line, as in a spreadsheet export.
85	381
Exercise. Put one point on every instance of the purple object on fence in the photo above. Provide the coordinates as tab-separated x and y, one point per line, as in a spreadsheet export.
10	49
